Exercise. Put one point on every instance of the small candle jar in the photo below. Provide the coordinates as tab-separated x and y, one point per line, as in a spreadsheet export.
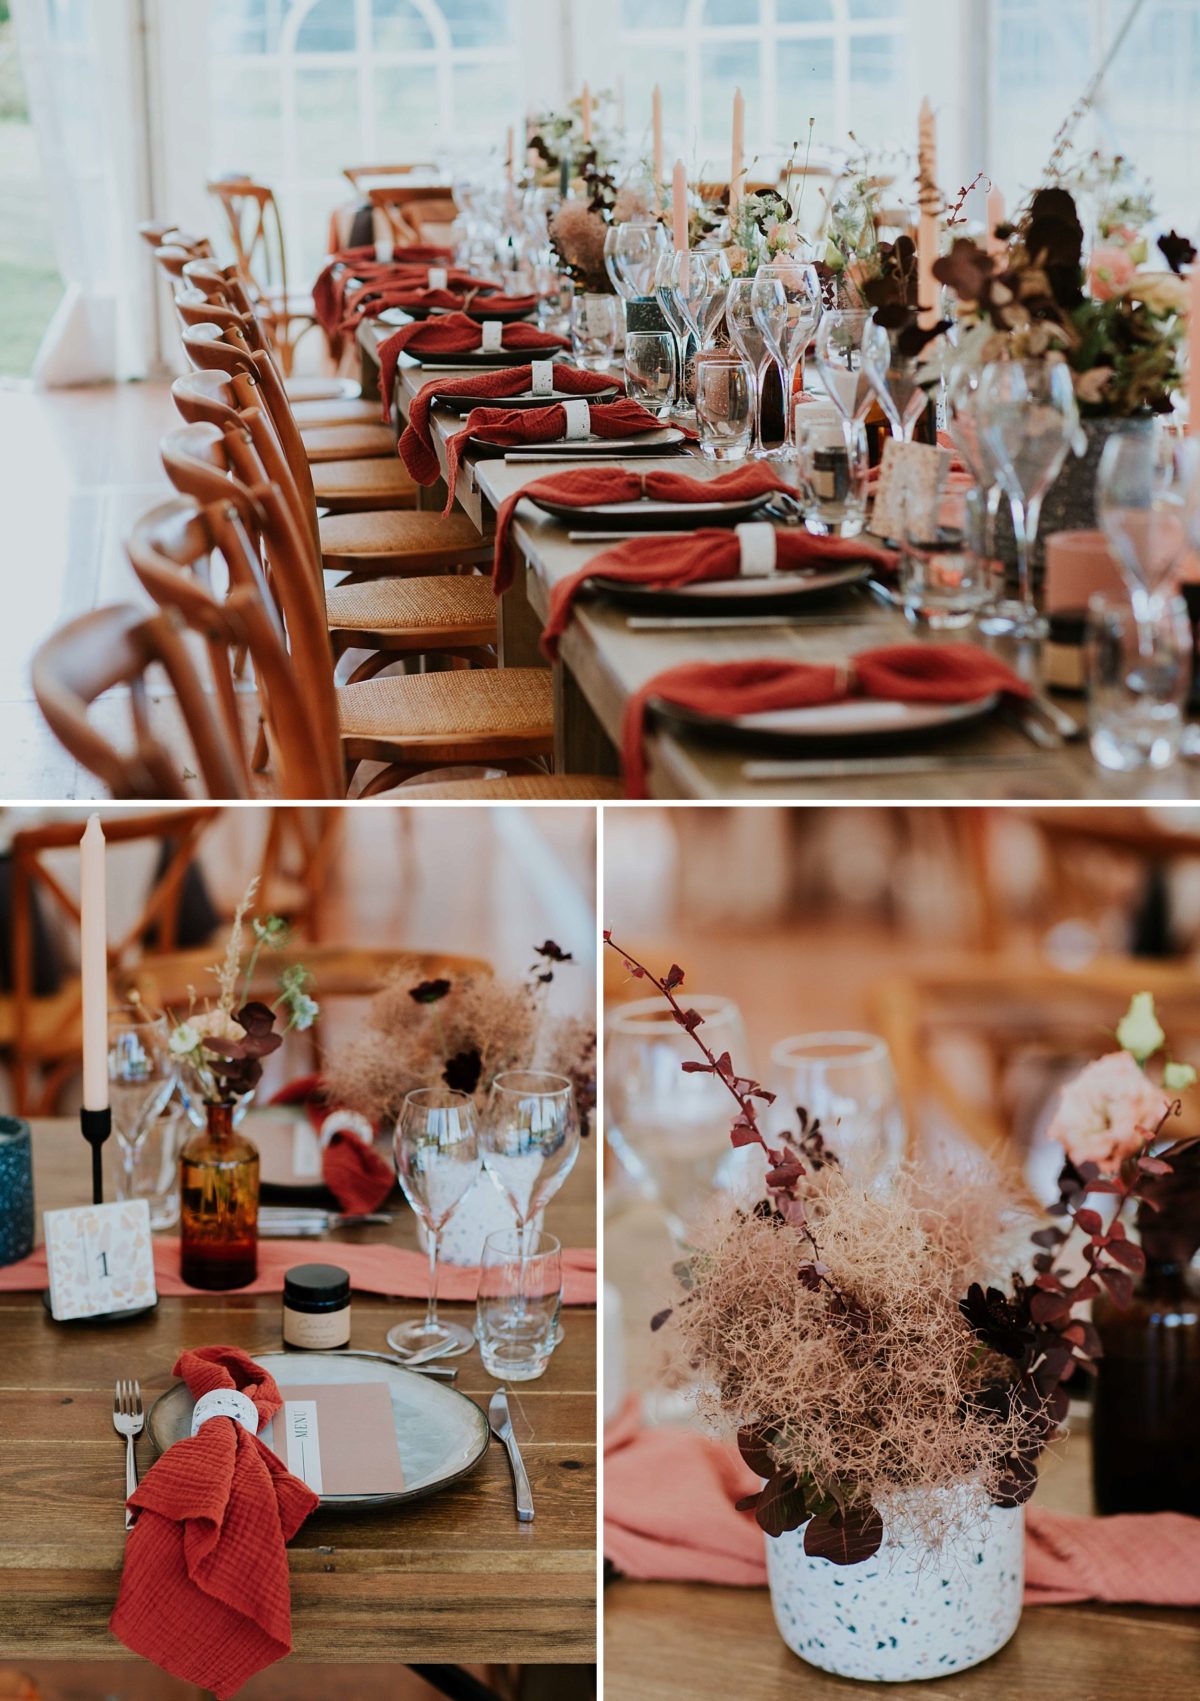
316	1307
16	1190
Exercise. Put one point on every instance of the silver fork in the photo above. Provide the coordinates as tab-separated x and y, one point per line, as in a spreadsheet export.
128	1421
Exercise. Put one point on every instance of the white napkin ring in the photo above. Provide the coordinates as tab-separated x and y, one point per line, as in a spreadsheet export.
439	277
347	1122
541	377
579	419
756	540
225	1402
493	335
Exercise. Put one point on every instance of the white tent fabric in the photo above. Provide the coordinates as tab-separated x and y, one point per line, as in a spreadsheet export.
81	61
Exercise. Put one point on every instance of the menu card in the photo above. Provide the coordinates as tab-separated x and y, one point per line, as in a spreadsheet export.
338	1437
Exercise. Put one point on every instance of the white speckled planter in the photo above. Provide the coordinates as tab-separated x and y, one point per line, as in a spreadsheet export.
906	1613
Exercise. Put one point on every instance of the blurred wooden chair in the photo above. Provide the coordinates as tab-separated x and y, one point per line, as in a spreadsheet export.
356	175
119	646
41	1038
256	232
415	213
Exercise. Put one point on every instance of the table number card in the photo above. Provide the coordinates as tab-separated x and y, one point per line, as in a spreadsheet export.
100	1259
911	476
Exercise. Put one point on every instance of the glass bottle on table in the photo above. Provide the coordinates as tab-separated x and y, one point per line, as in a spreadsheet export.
218	1199
437	1163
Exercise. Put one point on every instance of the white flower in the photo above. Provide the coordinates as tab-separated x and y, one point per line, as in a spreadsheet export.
183	1040
305	1010
1178	1077
1139	1031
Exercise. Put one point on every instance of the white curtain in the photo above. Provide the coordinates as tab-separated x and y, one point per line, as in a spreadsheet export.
83	66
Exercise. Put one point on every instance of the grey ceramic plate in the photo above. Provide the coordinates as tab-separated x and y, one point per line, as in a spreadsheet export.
648	515
441	1434
857	718
464	404
582	448
718	596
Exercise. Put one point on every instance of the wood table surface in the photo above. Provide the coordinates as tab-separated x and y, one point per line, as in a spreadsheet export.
602	661
451	1578
667	1640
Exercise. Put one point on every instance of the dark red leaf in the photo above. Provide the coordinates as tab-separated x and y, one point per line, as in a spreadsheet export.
1119	1285
1045	1307
845	1538
693	1066
674	977
660	1317
781	1505
752	1445
1131	1257
744	1134
1091	1222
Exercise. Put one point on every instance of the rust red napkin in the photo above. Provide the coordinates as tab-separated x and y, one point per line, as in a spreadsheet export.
512	426
455	333
367	299
346	264
204	1591
587	487
897	673
416	440
686	558
355	1173
669	1515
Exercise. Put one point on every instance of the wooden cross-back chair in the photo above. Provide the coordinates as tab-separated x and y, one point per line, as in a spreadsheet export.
415	213
256	232
357	174
120	646
43	1036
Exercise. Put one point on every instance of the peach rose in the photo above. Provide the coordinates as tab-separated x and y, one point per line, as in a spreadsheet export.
1108	1111
1110	270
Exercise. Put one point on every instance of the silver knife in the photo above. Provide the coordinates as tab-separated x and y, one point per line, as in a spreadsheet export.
305	1222
734	622
501	1427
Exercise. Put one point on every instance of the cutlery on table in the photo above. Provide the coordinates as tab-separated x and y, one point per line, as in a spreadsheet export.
303	1221
1035	730
850	768
128	1421
444	1372
500	1425
1064	724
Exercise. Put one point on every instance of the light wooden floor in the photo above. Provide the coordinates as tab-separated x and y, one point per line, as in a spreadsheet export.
76	468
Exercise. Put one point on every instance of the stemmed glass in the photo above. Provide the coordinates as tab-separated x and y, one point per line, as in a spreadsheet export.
700	283
1141	491
751	344
840	361
676	322
141	1078
530	1140
437	1160
962	426
1027	420
893	378
846	1080
786	301
631	254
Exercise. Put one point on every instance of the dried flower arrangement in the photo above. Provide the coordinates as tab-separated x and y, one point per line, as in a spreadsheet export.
558	136
461	1033
579	226
858	1343
1121	341
767	223
220	1046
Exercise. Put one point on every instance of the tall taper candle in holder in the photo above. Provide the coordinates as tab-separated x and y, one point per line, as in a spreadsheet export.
927	228
679	217
585	114
95	1117
656	122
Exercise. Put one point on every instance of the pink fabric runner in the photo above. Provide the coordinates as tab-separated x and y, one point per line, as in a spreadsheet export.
669	1516
372	1269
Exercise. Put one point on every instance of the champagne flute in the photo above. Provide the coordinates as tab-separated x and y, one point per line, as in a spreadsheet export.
840	361
962	425
141	1078
893	378
791	301
530	1140
716	262
1028	420
1141	503
437	1161
750	343
631	253
676	322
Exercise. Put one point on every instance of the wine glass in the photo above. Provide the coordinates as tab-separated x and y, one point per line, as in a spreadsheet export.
530	1139
691	287
669	1130
716	262
840	361
787	298
676	323
845	1080
631	253
962	426
437	1161
1141	503
141	1078
1028	420
751	344
893	378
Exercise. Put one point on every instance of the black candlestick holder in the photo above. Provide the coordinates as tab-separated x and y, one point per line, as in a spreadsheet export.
97	1126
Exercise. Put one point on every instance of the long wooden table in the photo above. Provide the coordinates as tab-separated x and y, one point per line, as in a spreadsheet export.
452	1578
666	1640
603	660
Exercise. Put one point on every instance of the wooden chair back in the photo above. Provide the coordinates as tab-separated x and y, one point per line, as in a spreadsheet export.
218	283
53	1045
415	213
218	461
119	645
256	232
357	174
203	564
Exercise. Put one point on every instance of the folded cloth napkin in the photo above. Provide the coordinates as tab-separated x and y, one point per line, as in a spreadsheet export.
204	1592
686	558
416	440
360	263
354	1172
587	487
669	1516
454	333
391	1270
366	299
510	427
896	673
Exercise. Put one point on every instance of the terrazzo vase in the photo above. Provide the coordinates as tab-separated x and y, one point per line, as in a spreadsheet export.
16	1190
906	1613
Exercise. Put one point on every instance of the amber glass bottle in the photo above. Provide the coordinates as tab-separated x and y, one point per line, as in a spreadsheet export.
1146	1407
219	1205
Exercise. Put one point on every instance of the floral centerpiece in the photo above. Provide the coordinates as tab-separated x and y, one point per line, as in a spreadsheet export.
580	224
556	138
893	1366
